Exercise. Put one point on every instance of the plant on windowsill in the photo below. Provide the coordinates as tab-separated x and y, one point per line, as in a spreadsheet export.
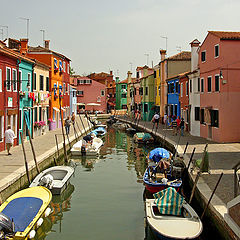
21	93
39	124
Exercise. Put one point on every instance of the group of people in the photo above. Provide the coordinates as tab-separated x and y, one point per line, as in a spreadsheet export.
68	122
176	123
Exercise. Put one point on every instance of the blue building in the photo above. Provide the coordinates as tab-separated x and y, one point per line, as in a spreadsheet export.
173	91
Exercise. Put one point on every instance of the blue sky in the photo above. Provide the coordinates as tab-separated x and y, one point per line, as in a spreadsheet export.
103	35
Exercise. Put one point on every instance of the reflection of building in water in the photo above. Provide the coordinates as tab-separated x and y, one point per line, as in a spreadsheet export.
141	163
121	140
110	138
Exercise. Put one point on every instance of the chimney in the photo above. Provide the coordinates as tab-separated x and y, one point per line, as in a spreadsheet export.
194	54
46	44
129	76
163	54
24	46
111	72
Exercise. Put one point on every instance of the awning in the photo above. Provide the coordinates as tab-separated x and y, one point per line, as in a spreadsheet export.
56	109
81	104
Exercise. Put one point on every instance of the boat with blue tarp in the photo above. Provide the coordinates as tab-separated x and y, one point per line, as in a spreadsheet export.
24	212
99	132
142	137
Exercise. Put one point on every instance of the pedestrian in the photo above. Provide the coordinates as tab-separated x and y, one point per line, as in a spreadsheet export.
182	126
9	136
73	118
165	119
178	124
174	126
155	120
67	125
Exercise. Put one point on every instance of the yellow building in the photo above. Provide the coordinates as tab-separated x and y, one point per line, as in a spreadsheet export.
157	80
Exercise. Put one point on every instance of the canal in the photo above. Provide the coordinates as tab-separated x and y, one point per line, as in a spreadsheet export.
105	198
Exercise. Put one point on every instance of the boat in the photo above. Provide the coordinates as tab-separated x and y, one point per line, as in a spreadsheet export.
142	137
24	212
161	172
131	130
92	149
56	179
100	131
170	217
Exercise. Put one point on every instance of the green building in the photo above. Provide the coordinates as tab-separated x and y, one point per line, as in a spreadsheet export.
121	94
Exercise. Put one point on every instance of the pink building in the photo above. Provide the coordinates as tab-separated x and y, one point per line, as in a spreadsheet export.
219	86
91	95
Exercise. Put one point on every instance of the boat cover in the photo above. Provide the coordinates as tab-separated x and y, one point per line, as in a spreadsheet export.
22	211
169	201
158	153
143	136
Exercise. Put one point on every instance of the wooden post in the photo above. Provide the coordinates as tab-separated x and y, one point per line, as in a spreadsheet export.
64	143
25	158
82	124
68	141
212	195
87	121
190	159
57	145
185	149
33	151
194	186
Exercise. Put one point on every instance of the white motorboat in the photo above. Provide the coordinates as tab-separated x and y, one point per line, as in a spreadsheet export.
56	179
89	149
187	225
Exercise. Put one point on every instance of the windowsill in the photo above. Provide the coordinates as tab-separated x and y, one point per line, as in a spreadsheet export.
216	56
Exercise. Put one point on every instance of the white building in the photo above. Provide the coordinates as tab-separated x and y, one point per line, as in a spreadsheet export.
194	90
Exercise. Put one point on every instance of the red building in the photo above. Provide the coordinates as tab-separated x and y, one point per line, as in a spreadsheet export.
91	95
184	98
110	84
219	63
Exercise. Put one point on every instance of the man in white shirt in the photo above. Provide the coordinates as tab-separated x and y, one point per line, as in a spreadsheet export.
9	136
155	120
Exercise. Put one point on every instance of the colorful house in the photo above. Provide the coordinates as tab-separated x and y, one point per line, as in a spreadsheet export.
219	86
9	98
73	99
121	94
157	83
170	67
91	95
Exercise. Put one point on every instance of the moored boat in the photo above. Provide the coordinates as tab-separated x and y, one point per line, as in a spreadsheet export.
170	217
24	212
90	149
142	137
56	179
100	131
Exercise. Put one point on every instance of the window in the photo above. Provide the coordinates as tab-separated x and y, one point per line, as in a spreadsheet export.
35	81
175	109
209	80
20	80
135	91
203	56
124	95
29	81
60	66
123	86
20	119
14	73
146	91
159	90
41	82
202	85
187	93
197	113
181	89
64	88
102	93
216	83
55	64
14	124
35	115
80	93
190	85
198	86
177	87
141	91
145	107
1	128
8	78
216	50
0	83
214	118
47	111
155	74
40	113
137	74
171	88
202	115
64	66
47	83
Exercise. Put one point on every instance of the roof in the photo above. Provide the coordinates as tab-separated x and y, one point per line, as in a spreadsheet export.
98	76
226	35
81	78
124	81
180	75
184	55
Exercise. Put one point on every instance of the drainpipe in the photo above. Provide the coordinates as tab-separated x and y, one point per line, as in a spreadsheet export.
18	100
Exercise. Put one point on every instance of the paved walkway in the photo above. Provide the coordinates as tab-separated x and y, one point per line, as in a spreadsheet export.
12	167
222	157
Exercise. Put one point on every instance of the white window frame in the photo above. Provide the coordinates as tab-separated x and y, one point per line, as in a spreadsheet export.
29	79
20	116
9	79
181	90
14	70
20	80
102	93
1	80
187	88
218	50
201	90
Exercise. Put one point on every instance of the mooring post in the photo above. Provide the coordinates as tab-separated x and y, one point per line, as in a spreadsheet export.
82	124
25	158
194	186
185	149
68	141
191	158
57	145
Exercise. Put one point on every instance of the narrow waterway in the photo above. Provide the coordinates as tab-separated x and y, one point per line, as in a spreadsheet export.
105	197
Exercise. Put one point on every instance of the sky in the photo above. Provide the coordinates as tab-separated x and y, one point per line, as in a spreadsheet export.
104	35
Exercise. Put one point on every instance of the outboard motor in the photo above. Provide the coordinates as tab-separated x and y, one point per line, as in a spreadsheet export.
46	181
6	226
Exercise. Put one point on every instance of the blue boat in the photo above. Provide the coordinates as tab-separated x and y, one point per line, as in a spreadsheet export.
100	131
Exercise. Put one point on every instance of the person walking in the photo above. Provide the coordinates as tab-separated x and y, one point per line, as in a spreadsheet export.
155	120
178	124
73	118
182	126
67	125
9	136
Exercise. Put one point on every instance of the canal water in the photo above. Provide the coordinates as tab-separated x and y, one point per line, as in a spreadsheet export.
105	197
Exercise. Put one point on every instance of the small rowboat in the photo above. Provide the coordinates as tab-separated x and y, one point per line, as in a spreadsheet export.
100	131
142	137
170	222
56	179
24	212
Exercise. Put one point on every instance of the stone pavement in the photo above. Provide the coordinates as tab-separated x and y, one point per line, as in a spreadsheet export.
12	166
222	157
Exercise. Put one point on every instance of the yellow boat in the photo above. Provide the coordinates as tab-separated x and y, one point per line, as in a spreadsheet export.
23	212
